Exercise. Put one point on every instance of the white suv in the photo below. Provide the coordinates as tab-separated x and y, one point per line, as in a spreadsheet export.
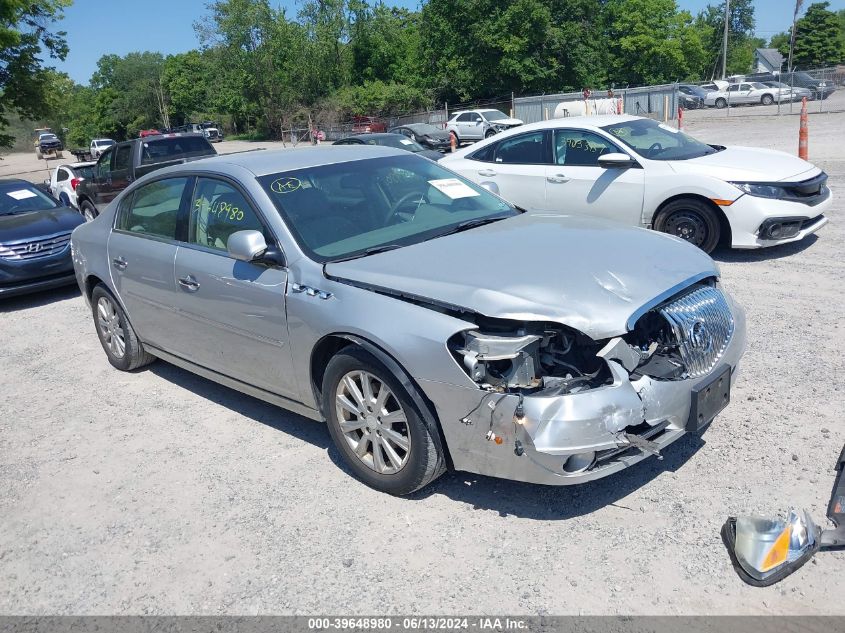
99	146
474	125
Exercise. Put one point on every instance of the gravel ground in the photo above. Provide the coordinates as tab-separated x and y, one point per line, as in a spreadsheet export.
162	493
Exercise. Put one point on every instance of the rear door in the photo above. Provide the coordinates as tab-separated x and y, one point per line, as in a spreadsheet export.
142	253
575	183
230	314
517	166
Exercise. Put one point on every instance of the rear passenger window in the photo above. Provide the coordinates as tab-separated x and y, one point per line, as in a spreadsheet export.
525	149
217	211
154	209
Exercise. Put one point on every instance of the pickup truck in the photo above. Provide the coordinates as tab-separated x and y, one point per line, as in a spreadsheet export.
130	160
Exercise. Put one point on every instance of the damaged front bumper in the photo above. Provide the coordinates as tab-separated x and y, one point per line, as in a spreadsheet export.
578	437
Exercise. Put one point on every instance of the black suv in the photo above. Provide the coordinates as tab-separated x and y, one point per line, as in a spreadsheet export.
34	239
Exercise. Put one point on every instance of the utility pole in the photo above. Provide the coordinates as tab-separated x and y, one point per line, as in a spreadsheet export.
798	4
725	38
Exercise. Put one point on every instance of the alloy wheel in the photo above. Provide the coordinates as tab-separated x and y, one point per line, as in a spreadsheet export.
108	320
373	422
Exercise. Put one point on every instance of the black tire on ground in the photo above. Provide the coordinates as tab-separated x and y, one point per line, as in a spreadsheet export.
721	103
693	220
38	154
88	210
103	304
424	459
489	133
767	99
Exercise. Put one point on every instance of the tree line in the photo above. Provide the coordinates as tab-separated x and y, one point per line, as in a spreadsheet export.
260	70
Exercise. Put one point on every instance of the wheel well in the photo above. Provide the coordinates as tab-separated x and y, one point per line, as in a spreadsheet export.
330	345
725	238
91	282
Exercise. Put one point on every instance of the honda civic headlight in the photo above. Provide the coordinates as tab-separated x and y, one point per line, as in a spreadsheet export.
760	190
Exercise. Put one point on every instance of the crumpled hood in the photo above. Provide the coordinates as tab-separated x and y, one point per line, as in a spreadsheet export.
588	274
749	164
508	122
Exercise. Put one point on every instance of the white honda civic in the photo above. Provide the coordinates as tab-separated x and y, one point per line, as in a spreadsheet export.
641	172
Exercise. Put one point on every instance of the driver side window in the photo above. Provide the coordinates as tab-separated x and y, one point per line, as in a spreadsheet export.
217	210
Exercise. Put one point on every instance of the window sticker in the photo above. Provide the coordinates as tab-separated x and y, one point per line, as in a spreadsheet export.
21	194
285	185
453	188
405	141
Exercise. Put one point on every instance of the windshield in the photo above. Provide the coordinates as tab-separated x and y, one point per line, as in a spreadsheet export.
47	137
424	128
19	197
345	209
104	143
394	140
693	90
657	141
494	115
759	85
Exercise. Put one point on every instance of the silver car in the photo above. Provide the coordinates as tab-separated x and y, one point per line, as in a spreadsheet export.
430	323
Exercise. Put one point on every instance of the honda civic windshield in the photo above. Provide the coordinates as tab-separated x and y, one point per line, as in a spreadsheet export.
352	209
657	141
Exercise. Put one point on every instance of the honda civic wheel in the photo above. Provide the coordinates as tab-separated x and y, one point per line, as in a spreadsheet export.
692	220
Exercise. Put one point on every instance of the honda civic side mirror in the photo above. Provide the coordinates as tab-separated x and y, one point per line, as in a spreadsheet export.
765	551
617	160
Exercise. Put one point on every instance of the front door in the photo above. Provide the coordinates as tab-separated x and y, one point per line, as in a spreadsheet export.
142	253
230	314
575	183
99	183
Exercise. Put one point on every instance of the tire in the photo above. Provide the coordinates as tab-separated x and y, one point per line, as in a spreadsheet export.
489	133
407	458
38	154
767	99
721	103
692	220
88	210
116	334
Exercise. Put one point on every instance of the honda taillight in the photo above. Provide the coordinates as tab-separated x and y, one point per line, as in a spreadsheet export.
74	182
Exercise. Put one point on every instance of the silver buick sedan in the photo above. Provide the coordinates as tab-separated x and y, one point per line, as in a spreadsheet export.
430	323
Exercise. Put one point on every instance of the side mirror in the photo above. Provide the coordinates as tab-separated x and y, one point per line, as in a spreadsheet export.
492	187
246	246
765	551
617	160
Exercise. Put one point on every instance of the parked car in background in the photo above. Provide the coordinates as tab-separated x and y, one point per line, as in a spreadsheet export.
691	97
819	88
426	135
743	93
795	93
34	239
99	146
128	161
641	172
367	124
346	286
474	125
66	178
387	139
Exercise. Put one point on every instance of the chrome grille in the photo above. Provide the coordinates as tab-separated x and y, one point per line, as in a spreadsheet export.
34	249
703	325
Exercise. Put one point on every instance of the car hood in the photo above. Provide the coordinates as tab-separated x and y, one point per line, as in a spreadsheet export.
587	274
36	224
440	135
747	164
509	122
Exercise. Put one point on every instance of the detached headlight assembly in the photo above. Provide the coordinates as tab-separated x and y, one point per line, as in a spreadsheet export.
760	190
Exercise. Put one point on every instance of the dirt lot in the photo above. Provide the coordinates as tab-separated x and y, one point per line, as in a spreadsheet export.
160	492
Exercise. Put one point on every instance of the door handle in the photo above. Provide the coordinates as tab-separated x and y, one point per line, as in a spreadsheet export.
558	178
189	283
119	263
486	172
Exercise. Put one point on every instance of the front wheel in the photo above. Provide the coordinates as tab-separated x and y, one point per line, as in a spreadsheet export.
376	427
721	103
692	220
767	99
116	334
490	133
89	211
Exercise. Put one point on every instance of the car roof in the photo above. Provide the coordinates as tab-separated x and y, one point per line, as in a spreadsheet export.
366	135
18	181
592	121
85	163
263	162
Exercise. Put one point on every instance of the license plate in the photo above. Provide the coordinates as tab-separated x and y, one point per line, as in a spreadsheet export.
709	398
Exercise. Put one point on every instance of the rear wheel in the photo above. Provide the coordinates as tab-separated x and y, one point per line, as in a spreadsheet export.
692	220
116	334
89	211
375	425
721	103
767	99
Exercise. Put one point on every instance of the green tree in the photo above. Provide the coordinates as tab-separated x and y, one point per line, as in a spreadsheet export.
741	41
780	41
652	42
818	38
24	36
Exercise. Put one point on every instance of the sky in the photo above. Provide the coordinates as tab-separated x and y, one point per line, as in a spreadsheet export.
166	26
